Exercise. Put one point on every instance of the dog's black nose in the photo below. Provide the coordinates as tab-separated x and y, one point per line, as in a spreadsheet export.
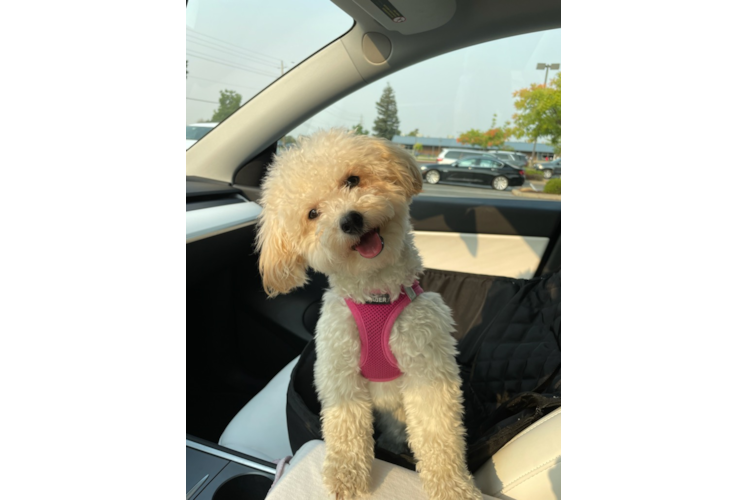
352	223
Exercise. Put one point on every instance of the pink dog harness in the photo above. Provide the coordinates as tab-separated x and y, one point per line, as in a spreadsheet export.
375	321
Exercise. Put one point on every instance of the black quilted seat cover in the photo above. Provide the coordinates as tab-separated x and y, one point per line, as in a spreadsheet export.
519	348
509	339
509	333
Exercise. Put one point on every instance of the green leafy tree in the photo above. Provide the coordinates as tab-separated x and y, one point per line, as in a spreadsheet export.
413	133
387	123
227	104
418	147
359	130
493	137
539	112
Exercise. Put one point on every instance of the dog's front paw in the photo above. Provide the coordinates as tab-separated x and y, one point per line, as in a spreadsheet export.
469	491
346	478
452	488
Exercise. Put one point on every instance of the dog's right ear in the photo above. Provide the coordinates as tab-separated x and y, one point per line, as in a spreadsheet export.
281	265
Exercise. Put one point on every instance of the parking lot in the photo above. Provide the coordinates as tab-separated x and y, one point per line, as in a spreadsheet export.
458	191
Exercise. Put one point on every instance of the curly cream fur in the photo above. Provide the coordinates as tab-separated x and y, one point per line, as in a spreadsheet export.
424	405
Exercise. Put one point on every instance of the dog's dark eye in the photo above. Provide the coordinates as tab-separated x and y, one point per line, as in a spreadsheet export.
313	213
352	181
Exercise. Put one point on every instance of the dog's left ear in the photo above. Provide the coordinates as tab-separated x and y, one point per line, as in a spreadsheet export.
281	266
408	175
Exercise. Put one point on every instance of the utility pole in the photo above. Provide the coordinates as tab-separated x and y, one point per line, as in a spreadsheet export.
546	67
282	69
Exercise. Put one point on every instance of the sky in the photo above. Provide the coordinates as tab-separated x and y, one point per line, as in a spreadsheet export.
241	44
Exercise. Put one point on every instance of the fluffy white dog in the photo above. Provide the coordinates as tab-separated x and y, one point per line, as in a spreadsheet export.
338	203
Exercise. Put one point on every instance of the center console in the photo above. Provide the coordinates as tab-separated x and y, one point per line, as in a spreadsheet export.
218	473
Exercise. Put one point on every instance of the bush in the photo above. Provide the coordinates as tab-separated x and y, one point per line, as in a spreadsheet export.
533	175
553	186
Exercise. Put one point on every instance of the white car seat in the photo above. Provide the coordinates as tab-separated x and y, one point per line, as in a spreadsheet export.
302	479
529	466
526	468
260	428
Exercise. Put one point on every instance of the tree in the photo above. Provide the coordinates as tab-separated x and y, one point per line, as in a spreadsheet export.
227	104
418	147
493	137
387	123
413	133
359	130
539	112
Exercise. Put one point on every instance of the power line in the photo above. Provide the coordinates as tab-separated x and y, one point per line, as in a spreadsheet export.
228	63
341	115
235	45
225	83
211	57
201	100
232	52
343	118
343	112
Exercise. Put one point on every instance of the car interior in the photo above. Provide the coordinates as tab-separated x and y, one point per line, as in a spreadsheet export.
242	346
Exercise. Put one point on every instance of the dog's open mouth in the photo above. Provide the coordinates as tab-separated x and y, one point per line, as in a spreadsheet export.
370	245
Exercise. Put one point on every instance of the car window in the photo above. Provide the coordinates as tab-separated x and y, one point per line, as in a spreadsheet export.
482	104
487	163
196	133
465	163
236	49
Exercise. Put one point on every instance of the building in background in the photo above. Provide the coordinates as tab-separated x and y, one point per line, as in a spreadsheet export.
432	146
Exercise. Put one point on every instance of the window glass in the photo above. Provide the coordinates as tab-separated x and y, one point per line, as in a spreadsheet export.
196	133
237	48
478	103
487	163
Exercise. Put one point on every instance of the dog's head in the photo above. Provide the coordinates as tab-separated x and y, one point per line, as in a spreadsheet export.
336	202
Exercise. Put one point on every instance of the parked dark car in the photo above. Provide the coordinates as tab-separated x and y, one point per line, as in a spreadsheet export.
513	159
482	170
550	168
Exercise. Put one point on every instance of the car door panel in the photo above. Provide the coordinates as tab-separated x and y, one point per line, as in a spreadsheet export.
463	171
448	172
485	172
454	173
501	237
489	254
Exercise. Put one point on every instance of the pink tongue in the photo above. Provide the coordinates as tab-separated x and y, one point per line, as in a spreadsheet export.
370	245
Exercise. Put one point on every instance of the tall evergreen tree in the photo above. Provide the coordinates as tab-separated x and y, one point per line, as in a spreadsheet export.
387	123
